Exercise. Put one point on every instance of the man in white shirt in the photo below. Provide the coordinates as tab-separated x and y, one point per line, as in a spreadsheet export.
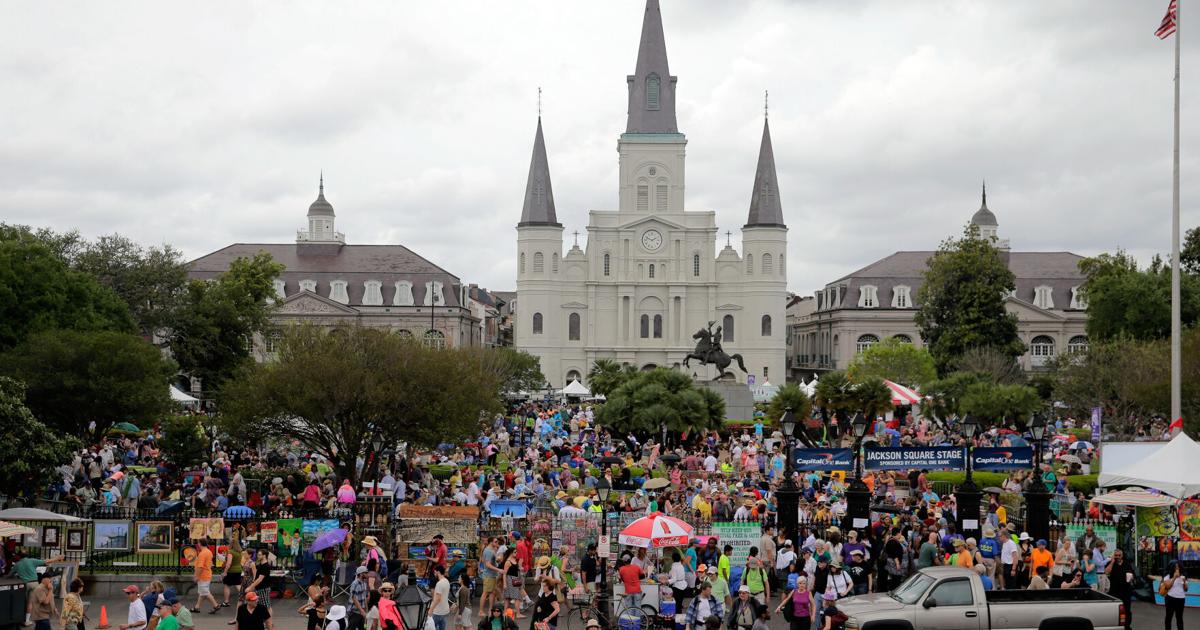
784	557
1008	553
137	609
710	463
440	606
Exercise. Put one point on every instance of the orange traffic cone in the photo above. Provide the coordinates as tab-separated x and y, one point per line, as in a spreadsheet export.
103	618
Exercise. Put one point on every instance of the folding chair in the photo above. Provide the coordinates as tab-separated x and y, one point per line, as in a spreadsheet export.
343	577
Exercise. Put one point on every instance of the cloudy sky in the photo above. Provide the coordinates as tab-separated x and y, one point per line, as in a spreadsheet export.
204	124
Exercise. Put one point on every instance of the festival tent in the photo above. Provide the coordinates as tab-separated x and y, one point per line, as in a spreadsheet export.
180	397
1171	470
575	388
765	392
34	514
902	395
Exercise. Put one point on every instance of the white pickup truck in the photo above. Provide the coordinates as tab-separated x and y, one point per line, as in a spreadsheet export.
953	598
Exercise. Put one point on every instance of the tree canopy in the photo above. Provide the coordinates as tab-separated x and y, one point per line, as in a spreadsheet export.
334	390
647	401
994	404
150	280
790	396
30	450
606	375
211	332
895	360
74	378
1125	301
961	301
517	370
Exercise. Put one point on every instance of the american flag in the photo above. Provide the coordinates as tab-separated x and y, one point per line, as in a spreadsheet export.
1169	21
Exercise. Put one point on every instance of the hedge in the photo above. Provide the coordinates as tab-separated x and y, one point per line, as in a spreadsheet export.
1075	483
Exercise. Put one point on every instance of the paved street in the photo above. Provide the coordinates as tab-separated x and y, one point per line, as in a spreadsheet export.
1144	616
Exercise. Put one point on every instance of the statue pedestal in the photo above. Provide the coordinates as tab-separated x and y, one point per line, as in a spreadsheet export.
739	402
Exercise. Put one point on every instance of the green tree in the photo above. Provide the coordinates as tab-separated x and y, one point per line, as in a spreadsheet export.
835	394
39	292
1000	404
30	450
183	442
211	331
1189	253
335	390
76	378
996	366
873	397
516	370
649	400
790	396
150	280
607	375
943	397
1125	301
895	360
962	301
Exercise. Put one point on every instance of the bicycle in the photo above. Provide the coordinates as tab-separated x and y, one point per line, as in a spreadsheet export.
581	607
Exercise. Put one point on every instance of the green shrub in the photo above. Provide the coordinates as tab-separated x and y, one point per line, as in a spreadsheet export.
1080	434
983	479
1083	483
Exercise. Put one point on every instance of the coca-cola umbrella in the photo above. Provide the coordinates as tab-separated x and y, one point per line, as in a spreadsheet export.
655	531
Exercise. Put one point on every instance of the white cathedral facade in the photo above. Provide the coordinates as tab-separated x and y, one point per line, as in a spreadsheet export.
651	276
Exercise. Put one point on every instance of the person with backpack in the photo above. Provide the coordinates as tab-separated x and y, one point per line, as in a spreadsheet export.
755	576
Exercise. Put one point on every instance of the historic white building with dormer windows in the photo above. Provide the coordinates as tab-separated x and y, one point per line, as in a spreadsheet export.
651	275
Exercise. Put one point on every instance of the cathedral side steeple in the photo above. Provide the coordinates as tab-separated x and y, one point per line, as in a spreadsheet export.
651	87
539	197
766	210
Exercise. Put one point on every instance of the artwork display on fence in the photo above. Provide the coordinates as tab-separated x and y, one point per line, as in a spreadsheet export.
50	536
315	527
111	536
155	536
1157	522
1189	520
289	537
269	533
76	539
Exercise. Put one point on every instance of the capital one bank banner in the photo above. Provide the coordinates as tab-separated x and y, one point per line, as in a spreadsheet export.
918	458
823	459
1011	458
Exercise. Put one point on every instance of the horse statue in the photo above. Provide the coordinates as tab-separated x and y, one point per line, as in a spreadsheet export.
709	352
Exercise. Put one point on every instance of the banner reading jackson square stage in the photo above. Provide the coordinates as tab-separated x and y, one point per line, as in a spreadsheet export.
822	459
915	458
1011	458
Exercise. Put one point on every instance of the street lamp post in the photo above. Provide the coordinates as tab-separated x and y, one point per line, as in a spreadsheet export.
412	602
858	495
1037	498
967	494
603	488
376	451
789	493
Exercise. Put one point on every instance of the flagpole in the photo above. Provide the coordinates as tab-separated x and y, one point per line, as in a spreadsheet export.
1176	364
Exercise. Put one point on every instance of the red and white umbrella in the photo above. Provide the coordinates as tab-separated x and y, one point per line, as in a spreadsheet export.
656	530
902	395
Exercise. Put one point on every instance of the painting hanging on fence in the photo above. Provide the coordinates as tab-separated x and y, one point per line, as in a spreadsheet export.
315	527
1189	520
155	536
269	533
1157	522
111	536
76	539
289	537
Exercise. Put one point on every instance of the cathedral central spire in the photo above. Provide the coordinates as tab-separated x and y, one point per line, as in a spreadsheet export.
651	87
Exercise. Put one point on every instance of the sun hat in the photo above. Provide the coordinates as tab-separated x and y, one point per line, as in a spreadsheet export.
1025	536
387	586
543	562
743	589
336	612
712	568
856	552
370	541
457	553
592	623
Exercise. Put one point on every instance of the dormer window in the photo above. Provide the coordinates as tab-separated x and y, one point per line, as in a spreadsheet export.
901	297
308	285
868	296
280	289
1043	297
404	295
373	293
1078	301
337	292
433	291
652	92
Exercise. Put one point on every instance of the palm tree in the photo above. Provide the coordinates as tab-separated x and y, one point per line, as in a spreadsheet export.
873	397
607	375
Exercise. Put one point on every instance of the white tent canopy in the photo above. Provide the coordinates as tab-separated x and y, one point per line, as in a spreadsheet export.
34	514
575	388
181	397
765	392
1171	469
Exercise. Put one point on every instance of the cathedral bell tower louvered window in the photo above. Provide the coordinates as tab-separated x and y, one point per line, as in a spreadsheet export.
653	85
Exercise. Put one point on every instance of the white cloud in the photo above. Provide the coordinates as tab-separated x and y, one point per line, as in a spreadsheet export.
203	125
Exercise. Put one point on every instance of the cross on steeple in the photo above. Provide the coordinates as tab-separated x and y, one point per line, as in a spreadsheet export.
576	233
727	235
766	103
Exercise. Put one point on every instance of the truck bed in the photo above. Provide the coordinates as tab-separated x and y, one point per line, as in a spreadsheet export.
1046	595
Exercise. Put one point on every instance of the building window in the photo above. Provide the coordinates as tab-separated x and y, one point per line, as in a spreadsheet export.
537	323
864	342
573	375
435	339
404	296
404	334
1043	297
433	294
766	264
521	263
373	293
539	262
696	265
554	262
782	264
337	292
766	373
272	341
651	270
573	327
280	289
901	297
868	296
652	91
1077	344
658	326
902	338
727	328
766	325
606	264
643	197
644	327
1078	301
660	197
308	285
749	264
1041	349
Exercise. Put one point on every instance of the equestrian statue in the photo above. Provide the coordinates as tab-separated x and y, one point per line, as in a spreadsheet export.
709	352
